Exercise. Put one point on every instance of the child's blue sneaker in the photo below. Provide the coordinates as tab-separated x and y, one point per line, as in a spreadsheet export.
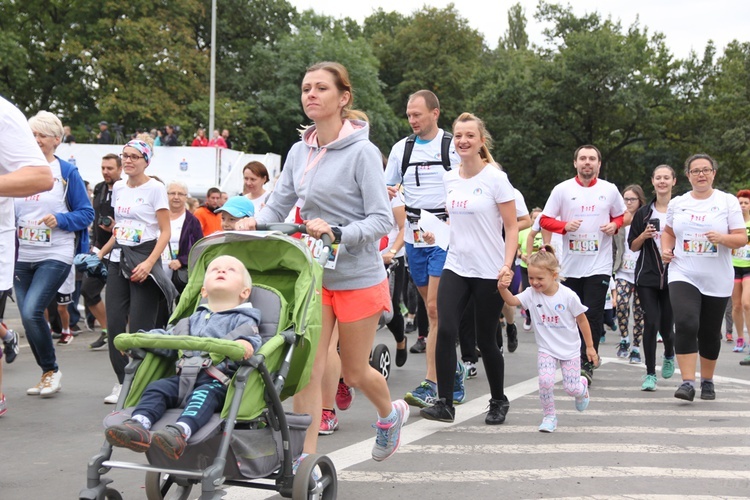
549	424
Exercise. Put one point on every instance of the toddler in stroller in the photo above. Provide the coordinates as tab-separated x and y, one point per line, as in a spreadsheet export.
200	386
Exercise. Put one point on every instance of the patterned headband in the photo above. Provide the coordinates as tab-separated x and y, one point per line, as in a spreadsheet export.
144	149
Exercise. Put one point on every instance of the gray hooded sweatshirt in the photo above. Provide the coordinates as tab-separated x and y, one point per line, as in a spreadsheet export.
343	184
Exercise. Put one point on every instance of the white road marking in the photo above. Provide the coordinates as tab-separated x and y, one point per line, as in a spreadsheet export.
587	448
650	496
560	395
677	431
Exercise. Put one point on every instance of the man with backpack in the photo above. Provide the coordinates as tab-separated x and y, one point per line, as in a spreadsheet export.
418	163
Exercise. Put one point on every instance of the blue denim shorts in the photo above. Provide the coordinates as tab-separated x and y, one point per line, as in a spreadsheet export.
425	262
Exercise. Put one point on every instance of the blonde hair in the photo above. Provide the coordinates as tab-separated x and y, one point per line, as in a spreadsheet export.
484	151
545	259
247	279
46	123
145	137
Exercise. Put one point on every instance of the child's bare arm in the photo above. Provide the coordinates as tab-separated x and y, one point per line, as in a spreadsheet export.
503	282
583	324
249	349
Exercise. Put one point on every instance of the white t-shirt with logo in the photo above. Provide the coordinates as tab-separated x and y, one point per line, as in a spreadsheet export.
521	208
697	261
587	251
554	320
396	202
430	193
629	258
477	249
135	212
170	251
37	241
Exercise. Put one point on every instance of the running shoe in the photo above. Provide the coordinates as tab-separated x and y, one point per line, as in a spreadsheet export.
635	356
527	324
729	337
388	436
667	367
298	461
114	396
739	346
3	406
420	346
459	384
622	348
56	335
602	339
66	338
707	390
171	441
512	334
344	396
686	391
401	355
659	339
37	389
582	402
423	396
471	369
329	422
10	347
409	325
587	370
649	382
51	384
100	342
746	361
498	410
440	411
130	434
549	424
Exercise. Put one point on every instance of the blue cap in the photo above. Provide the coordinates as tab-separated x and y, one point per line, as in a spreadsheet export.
237	206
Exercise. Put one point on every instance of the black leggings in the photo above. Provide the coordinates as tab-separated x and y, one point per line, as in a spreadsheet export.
396	325
592	290
453	295
698	326
657	318
467	334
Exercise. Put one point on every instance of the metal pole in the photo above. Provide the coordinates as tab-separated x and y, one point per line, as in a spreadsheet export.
212	86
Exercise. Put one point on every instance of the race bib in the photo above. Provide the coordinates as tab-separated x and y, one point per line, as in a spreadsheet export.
129	232
419	241
742	253
167	256
316	248
35	233
628	264
583	243
697	245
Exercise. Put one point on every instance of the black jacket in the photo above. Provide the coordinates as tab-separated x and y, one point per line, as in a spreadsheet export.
649	270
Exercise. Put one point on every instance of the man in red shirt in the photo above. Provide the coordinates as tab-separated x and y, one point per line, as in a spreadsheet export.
210	221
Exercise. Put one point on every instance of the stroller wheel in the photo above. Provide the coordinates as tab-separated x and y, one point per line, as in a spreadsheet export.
310	484
381	360
112	494
161	486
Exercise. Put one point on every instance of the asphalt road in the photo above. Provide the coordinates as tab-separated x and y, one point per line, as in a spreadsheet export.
628	444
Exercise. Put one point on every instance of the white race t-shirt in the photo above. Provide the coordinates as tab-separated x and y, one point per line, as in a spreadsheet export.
655	214
260	201
396	202
477	249
135	212
17	149
587	251
697	261
37	241
554	320
174	244
521	208
629	258
430	193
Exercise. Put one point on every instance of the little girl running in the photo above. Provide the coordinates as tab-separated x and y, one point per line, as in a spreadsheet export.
555	311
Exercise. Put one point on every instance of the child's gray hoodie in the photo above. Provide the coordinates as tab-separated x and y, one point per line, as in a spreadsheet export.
343	184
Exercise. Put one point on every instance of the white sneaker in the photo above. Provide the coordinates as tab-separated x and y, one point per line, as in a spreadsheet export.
37	389
112	398
52	384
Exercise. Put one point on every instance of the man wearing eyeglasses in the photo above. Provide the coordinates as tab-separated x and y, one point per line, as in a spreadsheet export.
590	212
104	214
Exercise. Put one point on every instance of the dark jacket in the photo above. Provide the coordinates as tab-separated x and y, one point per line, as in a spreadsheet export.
649	270
191	232
102	207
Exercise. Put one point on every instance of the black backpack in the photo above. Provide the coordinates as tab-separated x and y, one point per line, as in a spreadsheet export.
445	159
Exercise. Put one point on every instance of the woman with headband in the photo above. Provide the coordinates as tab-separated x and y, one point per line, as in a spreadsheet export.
139	295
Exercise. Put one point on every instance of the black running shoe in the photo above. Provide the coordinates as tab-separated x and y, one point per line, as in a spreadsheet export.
707	390
420	346
685	391
440	411
497	411
587	370
100	342
512	333
401	355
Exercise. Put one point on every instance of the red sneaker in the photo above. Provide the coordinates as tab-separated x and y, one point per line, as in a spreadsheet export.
344	396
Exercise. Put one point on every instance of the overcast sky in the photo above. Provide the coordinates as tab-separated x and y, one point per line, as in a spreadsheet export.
687	24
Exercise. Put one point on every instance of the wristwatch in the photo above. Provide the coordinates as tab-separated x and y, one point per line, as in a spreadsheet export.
393	251
336	234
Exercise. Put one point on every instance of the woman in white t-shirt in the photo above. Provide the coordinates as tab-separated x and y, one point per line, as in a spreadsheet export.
703	227
52	227
557	314
255	175
480	202
141	233
624	272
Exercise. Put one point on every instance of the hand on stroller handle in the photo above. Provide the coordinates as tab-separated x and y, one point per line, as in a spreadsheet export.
290	228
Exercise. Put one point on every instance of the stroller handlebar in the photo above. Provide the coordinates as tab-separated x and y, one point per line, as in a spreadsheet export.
290	228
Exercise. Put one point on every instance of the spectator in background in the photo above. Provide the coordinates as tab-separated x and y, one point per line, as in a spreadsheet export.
193	204
224	198
217	141
171	138
200	140
210	221
103	136
186	230
255	175
234	210
225	135
156	136
67	136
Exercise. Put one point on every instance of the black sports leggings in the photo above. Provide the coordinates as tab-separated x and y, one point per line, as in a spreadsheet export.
453	295
592	290
698	326
396	325
657	318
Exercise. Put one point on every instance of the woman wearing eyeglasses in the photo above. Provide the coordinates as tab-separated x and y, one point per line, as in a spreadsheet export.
185	231
703	226
52	227
140	235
